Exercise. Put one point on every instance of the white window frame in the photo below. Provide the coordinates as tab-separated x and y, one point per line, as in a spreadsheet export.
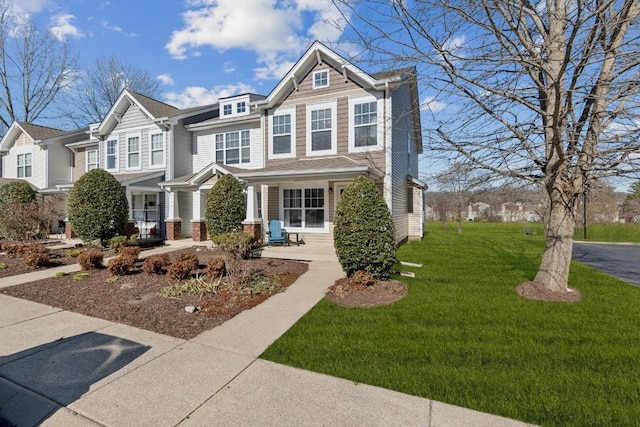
380	124
116	155
243	105
303	187
291	111
318	73
240	148
151	150
226	107
139	152
87	163
333	106
24	165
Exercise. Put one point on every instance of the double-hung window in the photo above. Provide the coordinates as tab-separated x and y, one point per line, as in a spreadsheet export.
321	129
233	148
133	152
92	159
24	163
112	155
156	150
365	129
282	135
303	207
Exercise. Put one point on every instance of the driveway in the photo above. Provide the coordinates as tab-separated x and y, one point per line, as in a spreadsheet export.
619	260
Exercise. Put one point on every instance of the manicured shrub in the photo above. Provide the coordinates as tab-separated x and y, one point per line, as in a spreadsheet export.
155	264
119	266
97	207
216	268
363	231
90	259
238	244
35	255
117	242
130	251
16	192
226	207
73	253
182	266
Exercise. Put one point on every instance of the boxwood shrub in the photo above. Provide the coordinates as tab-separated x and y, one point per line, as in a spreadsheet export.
363	232
226	206
16	192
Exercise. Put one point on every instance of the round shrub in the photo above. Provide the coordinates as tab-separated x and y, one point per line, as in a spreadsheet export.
182	266
121	265
16	192
226	207
98	207
363	232
90	259
155	264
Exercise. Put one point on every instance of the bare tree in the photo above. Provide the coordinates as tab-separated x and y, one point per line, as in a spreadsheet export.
544	92
99	89
35	68
459	183
631	204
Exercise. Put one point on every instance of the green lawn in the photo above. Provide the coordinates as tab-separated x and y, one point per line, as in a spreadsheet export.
610	233
463	336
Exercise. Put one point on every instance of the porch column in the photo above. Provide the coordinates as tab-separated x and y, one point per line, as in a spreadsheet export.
130	203
252	223
198	226
174	222
130	228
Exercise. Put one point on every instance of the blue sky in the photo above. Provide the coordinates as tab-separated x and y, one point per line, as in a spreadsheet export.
199	49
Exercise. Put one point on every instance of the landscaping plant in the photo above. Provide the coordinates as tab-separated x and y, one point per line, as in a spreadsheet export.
90	259
98	207
363	231
16	192
226	206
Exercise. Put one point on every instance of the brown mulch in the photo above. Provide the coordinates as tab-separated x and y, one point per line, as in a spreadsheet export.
382	292
15	265
537	291
134	299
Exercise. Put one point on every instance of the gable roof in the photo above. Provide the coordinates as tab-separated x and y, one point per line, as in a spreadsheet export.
39	134
156	108
319	53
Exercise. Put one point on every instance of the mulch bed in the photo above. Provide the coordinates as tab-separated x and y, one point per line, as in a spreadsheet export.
537	291
134	299
15	265
382	292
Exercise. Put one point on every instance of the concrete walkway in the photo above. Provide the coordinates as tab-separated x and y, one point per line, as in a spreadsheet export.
59	368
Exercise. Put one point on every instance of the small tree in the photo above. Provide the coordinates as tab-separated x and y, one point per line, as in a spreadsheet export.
226	207
28	220
16	192
363	234
98	207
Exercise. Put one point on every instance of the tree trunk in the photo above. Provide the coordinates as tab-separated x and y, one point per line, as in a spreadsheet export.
553	272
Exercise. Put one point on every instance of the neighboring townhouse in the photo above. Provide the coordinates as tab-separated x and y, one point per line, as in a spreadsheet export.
38	155
296	150
142	142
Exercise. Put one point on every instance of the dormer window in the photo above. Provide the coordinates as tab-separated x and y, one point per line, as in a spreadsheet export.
227	110
320	79
241	107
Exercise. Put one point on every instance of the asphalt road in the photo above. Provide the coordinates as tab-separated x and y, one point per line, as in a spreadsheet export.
618	260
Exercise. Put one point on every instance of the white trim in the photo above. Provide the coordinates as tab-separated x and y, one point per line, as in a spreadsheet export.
24	152
127	137
86	159
150	136
317	72
333	106
379	122
117	154
282	112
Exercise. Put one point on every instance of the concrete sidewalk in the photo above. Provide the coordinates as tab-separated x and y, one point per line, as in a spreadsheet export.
59	368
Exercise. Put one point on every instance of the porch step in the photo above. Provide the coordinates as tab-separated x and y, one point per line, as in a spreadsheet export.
312	238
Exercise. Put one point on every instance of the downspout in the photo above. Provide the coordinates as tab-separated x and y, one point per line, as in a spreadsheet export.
388	179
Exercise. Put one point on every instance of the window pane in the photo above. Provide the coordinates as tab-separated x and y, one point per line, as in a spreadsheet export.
156	141
245	140
27	171
293	218
219	141
314	218
232	140
134	144
219	156
134	160
157	157
282	144
321	140
246	155
366	135
233	157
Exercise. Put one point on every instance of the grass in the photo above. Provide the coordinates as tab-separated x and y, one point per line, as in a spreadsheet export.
610	233
463	336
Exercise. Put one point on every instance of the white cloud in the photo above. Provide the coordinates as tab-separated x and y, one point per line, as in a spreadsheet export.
228	67
61	26
116	28
30	6
431	104
165	79
275	31
194	96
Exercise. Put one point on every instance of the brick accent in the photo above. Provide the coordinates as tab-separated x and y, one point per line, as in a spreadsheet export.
130	229
255	229
174	229
199	229
68	231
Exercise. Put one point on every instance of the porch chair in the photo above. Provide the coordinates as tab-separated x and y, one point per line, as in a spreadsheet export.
276	233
